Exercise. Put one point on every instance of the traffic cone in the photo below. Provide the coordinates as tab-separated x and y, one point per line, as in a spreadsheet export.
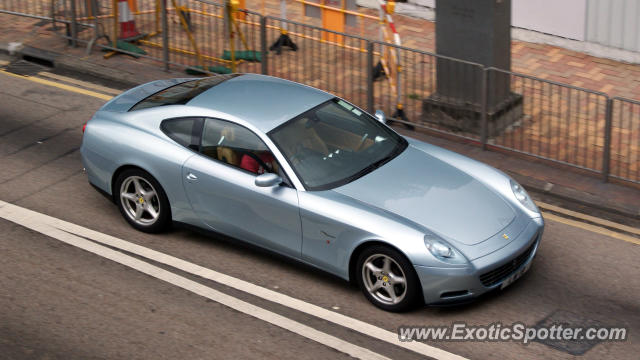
127	24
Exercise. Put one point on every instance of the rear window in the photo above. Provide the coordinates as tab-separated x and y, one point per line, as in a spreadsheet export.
182	93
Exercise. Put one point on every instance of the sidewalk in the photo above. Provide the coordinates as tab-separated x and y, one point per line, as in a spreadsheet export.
552	183
42	43
539	60
544	61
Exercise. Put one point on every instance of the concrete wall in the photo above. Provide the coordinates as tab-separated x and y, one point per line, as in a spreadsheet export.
603	28
564	18
614	23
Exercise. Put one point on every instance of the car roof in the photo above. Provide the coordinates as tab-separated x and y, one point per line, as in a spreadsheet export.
264	101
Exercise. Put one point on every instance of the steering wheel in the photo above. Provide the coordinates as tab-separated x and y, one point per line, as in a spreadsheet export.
362	142
301	153
297	153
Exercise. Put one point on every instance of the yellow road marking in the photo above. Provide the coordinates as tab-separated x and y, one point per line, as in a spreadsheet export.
81	83
60	86
592	228
590	218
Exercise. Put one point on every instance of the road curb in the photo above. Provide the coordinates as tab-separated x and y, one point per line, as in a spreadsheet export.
73	65
570	197
70	64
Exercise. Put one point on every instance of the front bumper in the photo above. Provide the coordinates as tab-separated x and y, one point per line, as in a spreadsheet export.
453	285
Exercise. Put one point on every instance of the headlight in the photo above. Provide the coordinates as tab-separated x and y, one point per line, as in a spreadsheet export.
522	196
442	250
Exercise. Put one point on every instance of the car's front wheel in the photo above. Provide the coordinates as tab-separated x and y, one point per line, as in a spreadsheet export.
387	278
142	201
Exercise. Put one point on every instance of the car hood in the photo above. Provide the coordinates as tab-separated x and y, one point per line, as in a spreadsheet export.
434	194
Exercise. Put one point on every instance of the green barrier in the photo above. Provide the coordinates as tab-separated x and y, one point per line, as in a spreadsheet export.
198	70
246	55
129	47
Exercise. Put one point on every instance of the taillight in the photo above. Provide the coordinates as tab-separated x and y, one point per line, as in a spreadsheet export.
84	126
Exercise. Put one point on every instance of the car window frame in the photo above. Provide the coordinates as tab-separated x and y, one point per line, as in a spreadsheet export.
196	130
286	180
336	184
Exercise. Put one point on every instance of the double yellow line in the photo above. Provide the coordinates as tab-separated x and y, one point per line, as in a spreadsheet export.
66	87
590	219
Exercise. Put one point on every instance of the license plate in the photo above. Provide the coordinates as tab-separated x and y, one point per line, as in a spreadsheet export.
515	276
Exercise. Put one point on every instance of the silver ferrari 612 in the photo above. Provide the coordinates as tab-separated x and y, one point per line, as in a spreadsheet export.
308	175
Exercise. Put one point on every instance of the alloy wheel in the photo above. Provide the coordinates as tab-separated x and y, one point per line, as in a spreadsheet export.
384	279
140	200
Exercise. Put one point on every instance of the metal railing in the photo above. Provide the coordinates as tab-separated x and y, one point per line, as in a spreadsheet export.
493	108
624	139
420	100
36	9
555	121
338	66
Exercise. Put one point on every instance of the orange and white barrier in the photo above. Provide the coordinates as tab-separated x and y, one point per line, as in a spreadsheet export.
390	58
127	23
386	9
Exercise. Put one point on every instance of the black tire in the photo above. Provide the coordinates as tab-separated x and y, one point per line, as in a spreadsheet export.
146	224
412	284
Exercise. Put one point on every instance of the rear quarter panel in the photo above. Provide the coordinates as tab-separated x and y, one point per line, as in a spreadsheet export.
113	140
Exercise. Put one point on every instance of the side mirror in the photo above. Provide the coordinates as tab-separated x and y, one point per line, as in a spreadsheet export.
381	116
268	180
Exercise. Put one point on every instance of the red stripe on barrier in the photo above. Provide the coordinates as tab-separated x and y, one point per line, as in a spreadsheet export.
393	28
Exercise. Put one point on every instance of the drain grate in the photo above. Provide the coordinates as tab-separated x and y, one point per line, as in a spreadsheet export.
569	320
22	67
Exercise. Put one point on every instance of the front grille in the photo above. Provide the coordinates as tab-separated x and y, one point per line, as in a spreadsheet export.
495	276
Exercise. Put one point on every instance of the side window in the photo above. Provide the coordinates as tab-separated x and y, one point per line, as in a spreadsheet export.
237	146
184	131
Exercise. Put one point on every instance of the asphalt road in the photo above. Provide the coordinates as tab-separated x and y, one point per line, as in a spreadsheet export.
58	301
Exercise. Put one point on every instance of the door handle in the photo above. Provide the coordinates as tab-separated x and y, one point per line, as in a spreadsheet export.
190	176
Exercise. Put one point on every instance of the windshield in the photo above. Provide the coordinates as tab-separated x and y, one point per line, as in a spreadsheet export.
334	144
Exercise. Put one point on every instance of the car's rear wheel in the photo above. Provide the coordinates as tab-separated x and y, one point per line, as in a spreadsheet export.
387	279
142	201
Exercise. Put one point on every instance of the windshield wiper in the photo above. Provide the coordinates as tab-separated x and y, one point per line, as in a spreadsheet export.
369	168
382	161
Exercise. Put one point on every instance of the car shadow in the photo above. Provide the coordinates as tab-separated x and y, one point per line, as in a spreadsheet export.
269	257
263	255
